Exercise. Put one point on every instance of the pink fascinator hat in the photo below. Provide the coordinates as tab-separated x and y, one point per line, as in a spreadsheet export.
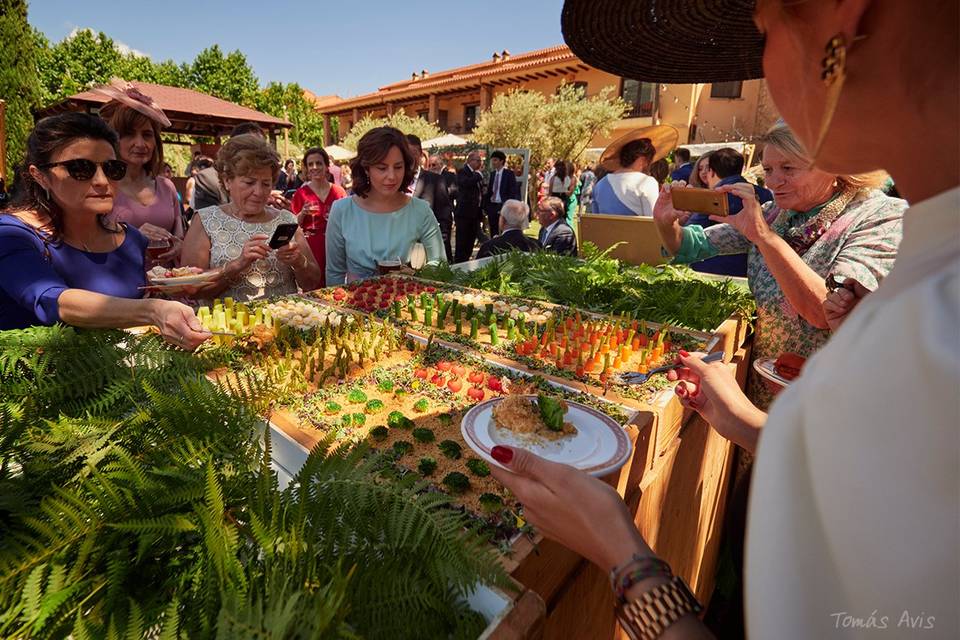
128	95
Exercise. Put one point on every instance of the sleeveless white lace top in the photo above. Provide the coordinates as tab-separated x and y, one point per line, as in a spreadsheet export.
264	278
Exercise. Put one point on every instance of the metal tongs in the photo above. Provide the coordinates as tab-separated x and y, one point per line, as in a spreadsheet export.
636	377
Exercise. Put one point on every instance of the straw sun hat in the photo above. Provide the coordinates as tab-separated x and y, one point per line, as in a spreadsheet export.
663	136
670	41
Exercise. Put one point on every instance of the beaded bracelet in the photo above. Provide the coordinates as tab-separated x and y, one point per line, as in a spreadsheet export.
637	569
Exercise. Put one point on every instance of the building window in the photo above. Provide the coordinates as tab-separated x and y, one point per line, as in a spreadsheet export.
423	114
470	117
731	89
442	119
639	96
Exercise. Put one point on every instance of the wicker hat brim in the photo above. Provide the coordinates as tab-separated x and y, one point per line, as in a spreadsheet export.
663	137
670	41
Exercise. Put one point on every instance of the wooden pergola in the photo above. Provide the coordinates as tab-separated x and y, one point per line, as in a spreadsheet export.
190	112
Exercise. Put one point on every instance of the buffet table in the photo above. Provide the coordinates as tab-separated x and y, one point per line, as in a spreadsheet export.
675	482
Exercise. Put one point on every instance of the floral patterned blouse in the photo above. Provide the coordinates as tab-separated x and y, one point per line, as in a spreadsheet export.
267	277
861	243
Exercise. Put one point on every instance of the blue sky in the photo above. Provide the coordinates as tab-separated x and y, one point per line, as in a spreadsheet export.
347	47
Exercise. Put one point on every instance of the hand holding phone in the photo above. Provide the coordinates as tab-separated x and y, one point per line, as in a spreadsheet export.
705	201
282	235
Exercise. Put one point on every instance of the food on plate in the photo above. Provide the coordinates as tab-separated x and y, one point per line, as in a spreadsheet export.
788	365
540	418
159	272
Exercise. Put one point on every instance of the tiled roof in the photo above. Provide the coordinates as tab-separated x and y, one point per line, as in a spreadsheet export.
320	101
188	101
470	74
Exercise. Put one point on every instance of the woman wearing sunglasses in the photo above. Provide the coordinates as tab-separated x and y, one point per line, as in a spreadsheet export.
144	198
61	259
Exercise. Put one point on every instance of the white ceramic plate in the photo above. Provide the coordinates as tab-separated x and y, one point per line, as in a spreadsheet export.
599	447
764	366
197	278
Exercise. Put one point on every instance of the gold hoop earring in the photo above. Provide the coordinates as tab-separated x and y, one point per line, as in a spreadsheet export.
833	73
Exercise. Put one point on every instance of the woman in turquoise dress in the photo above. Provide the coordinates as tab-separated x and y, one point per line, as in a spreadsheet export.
818	225
380	221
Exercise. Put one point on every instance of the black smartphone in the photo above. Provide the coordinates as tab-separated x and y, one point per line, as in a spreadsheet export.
282	235
289	193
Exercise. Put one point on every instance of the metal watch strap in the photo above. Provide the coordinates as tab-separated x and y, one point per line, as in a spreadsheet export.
649	615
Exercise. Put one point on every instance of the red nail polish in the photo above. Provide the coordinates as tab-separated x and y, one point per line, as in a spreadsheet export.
684	353
681	390
503	455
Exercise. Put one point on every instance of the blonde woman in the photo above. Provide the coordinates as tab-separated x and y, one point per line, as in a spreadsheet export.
821	224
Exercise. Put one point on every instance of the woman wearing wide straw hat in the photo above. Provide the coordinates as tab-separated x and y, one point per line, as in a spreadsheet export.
856	488
629	189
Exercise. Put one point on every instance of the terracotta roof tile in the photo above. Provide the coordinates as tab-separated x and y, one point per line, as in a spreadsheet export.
476	72
179	100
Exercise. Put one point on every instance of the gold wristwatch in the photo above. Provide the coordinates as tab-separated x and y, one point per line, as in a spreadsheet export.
649	615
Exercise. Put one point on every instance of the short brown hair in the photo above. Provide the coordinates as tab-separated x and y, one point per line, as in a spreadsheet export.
125	121
243	154
634	149
373	148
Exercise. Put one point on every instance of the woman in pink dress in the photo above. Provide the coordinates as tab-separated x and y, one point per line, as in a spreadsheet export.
144	199
313	200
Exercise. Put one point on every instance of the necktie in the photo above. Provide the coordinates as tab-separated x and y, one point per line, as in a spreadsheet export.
543	235
496	187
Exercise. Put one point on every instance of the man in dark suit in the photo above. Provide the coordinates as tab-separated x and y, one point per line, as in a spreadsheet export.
430	187
555	234
514	218
468	212
501	186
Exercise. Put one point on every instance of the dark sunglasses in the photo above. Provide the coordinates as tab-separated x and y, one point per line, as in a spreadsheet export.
82	169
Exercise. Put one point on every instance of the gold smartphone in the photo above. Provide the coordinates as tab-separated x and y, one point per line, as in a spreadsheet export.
705	201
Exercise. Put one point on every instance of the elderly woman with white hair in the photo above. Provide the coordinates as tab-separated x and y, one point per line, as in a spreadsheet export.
820	224
514	218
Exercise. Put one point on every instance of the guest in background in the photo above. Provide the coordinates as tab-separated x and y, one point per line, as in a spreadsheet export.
514	218
561	184
555	234
429	187
62	259
723	167
346	177
336	173
682	171
380	221
312	203
289	179
449	175
501	186
434	165
233	237
629	190
144	199
659	171
199	164
587	179
574	198
468	211
698	175
208	191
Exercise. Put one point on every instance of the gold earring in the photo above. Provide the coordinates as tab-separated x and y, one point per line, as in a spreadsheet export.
833	73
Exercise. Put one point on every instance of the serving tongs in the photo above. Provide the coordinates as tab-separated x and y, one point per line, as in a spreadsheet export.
637	377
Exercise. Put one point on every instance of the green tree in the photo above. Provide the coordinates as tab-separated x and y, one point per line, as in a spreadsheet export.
18	78
79	61
417	126
557	127
225	76
288	101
